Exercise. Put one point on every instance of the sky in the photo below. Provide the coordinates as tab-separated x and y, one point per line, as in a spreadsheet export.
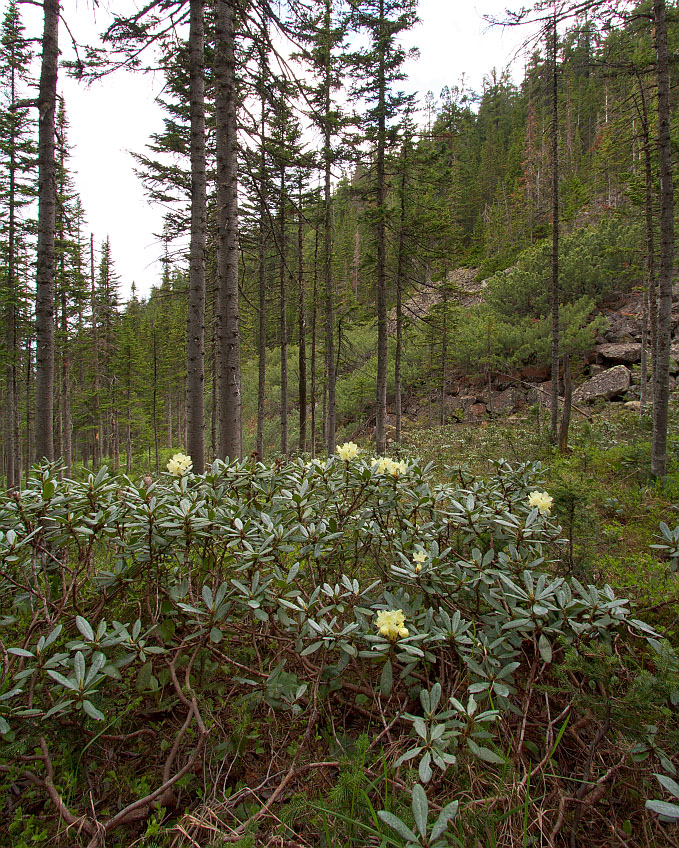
116	116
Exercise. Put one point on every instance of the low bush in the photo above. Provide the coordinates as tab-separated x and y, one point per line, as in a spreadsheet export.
177	651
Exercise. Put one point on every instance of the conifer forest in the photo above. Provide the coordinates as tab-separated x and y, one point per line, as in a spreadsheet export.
359	527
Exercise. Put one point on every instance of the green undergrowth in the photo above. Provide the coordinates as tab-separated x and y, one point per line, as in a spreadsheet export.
345	653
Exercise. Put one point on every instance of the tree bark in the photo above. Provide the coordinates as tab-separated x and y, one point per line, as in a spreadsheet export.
661	384
283	318
380	270
314	313
261	284
330	420
98	434
567	406
301	322
228	340
44	300
555	240
399	293
195	327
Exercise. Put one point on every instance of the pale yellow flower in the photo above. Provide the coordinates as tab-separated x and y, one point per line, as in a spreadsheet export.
541	501
385	465
179	464
418	568
419	556
348	451
390	624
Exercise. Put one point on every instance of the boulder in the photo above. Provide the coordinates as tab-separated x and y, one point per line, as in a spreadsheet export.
633	405
453	407
509	400
620	353
607	385
478	410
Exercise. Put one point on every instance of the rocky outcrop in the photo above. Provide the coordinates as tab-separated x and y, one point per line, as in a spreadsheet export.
608	385
466	291
623	353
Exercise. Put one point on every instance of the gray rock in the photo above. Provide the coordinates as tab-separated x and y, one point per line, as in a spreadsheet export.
478	409
624	353
608	385
633	405
509	400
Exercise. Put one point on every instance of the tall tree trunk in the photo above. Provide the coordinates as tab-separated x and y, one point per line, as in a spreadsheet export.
215	391
11	340
261	285
12	402
400	259
649	313
98	429
154	396
330	420
380	270
555	240
128	393
314	314
65	387
230	429
195	325
301	322
567	406
661	385
444	345
29	432
115	434
283	318
44	300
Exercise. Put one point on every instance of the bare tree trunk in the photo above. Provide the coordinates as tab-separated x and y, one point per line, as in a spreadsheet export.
12	401
301	322
261	286
44	300
661	385
128	441
283	320
154	397
230	404
65	387
567	406
215	392
381	283
29	433
330	420
555	240
195	328
98	434
444	346
399	295
115	433
649	314
312	387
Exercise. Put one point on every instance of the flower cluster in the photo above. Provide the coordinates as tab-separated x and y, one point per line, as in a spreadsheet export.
418	558
384	465
541	501
390	624
348	451
179	465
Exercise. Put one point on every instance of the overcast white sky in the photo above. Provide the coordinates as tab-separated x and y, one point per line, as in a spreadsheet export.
117	115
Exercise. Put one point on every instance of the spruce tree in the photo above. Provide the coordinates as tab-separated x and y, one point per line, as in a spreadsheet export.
376	69
44	299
